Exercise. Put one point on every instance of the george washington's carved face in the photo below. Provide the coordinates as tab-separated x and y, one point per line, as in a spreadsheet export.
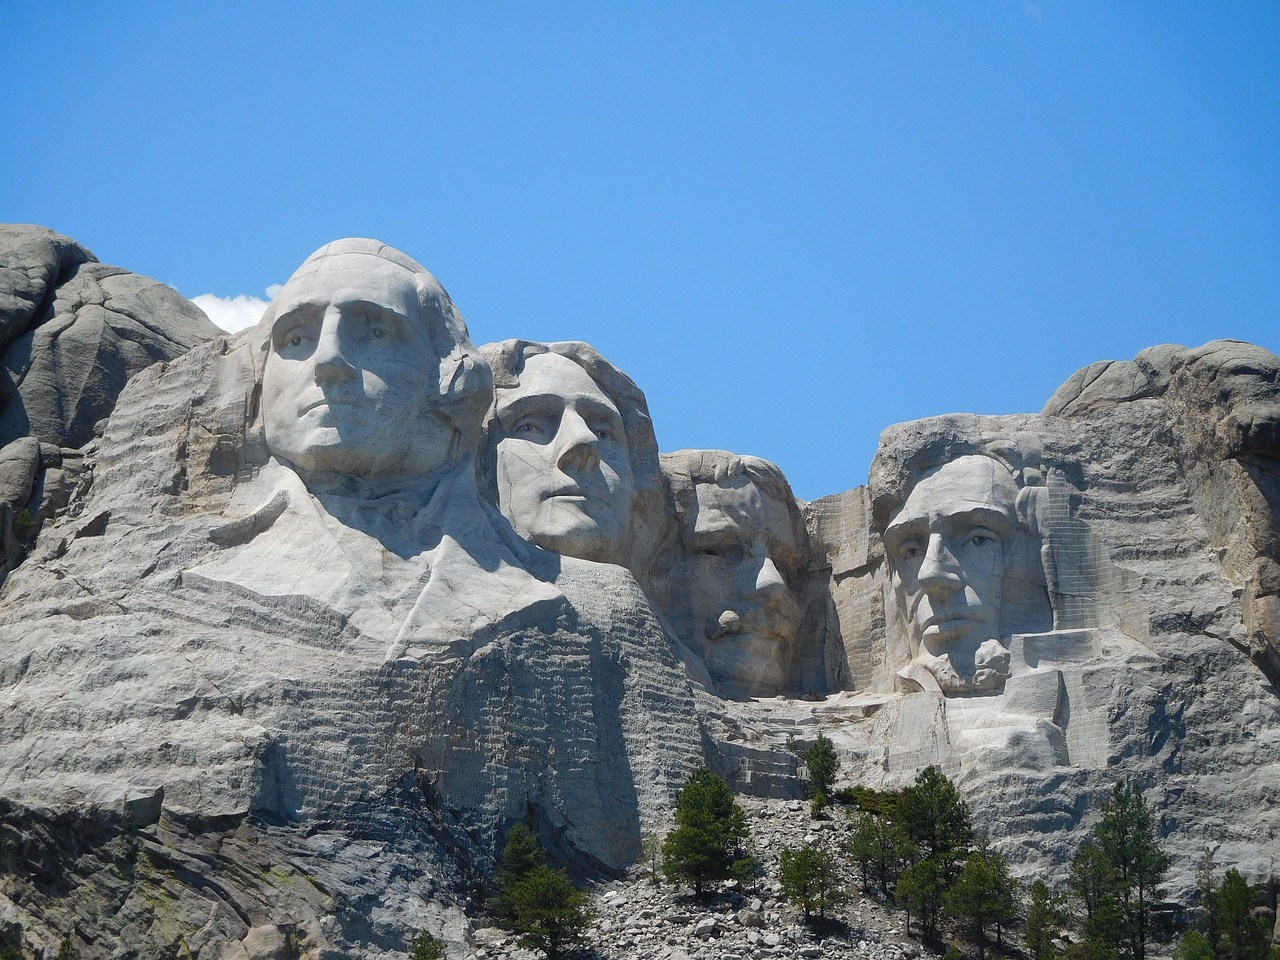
350	383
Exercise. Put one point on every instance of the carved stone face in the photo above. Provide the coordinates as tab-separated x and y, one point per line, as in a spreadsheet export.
563	467
350	378
948	547
743	618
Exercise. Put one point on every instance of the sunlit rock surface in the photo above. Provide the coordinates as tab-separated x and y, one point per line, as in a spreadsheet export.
275	679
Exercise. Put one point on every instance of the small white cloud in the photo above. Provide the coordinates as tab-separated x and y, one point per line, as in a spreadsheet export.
236	313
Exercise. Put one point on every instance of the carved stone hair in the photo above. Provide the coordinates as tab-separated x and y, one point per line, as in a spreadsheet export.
685	470
1021	455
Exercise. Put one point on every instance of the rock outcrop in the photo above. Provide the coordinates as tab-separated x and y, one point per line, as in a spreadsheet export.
72	333
322	615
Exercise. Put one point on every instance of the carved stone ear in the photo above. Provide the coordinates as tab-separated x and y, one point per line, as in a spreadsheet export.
1032	507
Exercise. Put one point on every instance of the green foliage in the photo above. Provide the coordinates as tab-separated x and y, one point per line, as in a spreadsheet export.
1207	886
883	803
548	912
10	952
1194	945
67	950
426	947
920	890
823	765
1127	838
23	521
936	819
982	896
540	904
1115	876
1244	934
521	854
811	881
1045	920
817	803
952	953
881	848
711	832
1088	949
651	853
1093	882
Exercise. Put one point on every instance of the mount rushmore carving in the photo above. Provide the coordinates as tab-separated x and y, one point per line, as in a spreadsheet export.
346	583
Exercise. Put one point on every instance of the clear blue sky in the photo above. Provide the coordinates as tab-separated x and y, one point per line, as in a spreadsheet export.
792	223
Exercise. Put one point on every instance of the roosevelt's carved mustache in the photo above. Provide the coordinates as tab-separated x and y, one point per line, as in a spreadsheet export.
777	620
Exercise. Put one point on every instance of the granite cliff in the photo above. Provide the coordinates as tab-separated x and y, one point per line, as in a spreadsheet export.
324	607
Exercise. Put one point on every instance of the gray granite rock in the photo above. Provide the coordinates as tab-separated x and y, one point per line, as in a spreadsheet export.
72	332
275	679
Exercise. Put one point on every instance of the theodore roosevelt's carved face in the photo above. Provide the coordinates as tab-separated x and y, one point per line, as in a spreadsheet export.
564	474
947	546
743	617
350	383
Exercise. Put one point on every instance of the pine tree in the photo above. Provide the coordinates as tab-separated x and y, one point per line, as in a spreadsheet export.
540	904
548	912
823	765
1045	920
920	892
711	833
936	819
1092	879
982	896
810	880
1127	838
1194	945
1207	887
425	947
1244	934
882	848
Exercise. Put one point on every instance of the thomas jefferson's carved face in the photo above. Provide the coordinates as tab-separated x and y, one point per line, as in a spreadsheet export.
563	465
350	381
947	546
743	617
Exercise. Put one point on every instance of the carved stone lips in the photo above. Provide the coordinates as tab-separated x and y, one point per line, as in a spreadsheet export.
568	493
949	622
332	402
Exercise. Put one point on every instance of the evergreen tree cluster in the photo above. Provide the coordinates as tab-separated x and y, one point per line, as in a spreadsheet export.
918	848
538	902
1230	925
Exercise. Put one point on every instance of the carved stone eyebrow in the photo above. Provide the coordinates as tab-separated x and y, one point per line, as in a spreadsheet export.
530	403
989	517
359	304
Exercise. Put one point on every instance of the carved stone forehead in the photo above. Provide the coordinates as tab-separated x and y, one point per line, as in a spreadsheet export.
964	484
738	505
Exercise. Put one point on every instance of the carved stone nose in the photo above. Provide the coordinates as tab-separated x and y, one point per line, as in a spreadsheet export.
329	360
578	445
938	570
